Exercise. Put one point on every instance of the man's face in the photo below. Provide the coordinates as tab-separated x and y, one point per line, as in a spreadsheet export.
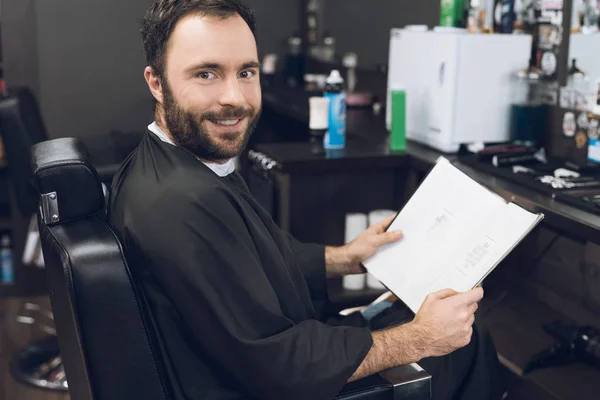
211	87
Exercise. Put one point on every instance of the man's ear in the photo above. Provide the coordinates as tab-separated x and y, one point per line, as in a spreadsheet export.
154	84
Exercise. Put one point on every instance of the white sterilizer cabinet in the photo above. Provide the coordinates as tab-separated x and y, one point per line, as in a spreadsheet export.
586	50
458	85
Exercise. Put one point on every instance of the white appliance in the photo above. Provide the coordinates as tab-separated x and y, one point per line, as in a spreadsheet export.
586	50
458	85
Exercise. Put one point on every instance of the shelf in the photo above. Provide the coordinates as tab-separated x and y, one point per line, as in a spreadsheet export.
516	326
5	223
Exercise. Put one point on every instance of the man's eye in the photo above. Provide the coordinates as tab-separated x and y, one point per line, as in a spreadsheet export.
206	75
247	74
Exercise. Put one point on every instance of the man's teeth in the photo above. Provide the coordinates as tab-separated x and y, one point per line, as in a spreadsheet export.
228	122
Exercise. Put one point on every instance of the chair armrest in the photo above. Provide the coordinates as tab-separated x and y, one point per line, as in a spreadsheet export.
410	382
407	382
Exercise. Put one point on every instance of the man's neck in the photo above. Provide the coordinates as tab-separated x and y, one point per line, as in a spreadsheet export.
163	127
221	170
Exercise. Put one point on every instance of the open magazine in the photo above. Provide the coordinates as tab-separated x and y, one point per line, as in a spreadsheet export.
455	233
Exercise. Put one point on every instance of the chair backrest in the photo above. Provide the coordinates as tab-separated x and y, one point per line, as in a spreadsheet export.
30	113
17	145
104	343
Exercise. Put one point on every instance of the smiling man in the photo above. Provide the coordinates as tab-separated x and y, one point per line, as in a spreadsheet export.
231	298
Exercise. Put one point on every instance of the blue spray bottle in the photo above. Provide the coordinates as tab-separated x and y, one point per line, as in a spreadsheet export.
335	138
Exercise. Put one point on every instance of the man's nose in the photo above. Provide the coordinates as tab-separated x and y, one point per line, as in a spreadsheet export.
232	94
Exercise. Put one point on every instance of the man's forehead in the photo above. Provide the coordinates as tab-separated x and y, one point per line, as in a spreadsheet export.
203	38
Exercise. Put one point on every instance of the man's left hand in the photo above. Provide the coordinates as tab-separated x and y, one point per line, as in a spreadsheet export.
346	260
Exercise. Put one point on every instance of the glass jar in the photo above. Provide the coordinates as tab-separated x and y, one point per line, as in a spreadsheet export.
579	92
532	95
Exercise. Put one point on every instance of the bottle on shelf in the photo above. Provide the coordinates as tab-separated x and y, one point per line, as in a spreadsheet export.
6	257
294	61
591	17
476	20
335	138
329	48
453	13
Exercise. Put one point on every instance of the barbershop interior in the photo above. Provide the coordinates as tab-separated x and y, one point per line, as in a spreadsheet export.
471	126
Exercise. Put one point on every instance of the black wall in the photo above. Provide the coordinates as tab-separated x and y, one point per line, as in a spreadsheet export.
363	26
19	43
84	58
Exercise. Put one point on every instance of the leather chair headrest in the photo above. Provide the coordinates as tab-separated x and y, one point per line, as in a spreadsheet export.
66	180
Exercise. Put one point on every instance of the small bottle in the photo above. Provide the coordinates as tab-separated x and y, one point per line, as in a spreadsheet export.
329	49
294	61
452	13
7	261
591	17
576	16
269	69
506	13
350	62
334	90
475	20
398	136
318	123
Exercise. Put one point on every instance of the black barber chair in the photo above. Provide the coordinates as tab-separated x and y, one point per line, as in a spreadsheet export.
21	126
29	366
106	349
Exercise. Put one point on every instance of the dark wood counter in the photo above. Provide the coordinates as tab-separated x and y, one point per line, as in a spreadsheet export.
367	148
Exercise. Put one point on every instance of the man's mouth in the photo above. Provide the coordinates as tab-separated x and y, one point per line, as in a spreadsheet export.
228	122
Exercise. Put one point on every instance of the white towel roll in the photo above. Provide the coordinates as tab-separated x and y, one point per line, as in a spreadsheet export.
356	224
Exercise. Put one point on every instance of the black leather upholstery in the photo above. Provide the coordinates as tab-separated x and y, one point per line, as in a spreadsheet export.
104	344
62	167
106	348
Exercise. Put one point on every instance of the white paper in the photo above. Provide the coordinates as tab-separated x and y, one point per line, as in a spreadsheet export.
455	232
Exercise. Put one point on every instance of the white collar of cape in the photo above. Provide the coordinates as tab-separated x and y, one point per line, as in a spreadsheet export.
219	169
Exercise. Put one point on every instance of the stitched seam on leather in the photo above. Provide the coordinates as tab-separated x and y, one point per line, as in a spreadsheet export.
137	306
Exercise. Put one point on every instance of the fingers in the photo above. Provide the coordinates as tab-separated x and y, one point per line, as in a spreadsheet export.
472	296
471	320
473	308
383	225
469	336
442	294
386	238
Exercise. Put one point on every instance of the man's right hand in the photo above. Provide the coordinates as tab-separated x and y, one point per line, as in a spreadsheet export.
443	324
445	320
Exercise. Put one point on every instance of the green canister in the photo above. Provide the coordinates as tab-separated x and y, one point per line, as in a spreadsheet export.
452	13
398	136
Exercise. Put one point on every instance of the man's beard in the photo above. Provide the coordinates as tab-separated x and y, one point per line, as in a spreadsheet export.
189	131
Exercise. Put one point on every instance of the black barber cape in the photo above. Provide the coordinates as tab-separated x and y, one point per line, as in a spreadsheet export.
229	295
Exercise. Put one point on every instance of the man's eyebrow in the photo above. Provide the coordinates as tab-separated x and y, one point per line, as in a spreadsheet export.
204	65
214	65
251	64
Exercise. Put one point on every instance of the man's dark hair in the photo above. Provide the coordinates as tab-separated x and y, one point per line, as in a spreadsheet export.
160	20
